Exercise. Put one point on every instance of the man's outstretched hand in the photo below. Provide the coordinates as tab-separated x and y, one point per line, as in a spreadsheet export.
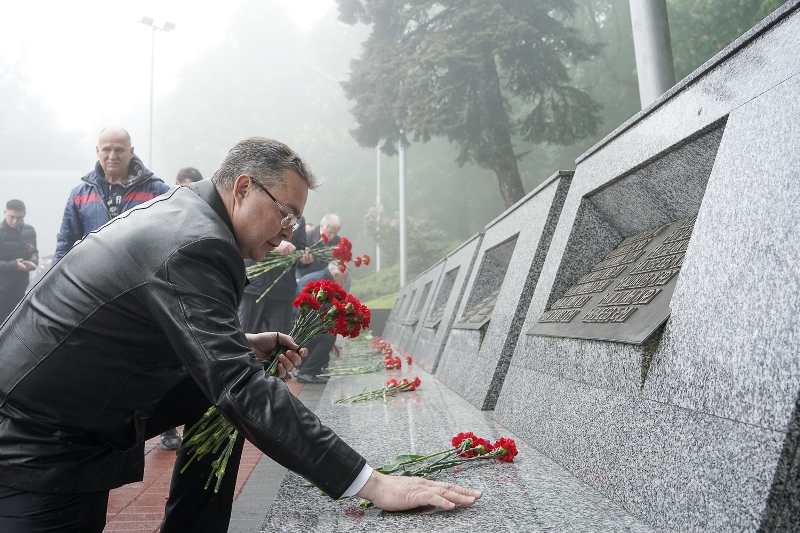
398	493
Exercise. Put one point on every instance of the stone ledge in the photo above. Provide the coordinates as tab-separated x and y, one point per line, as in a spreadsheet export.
532	494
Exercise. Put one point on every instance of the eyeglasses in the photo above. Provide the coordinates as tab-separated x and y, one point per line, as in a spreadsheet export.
288	220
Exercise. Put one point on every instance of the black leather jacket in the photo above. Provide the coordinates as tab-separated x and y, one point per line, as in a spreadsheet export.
114	326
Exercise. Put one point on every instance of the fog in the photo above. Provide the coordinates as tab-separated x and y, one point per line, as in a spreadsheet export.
257	67
67	70
227	71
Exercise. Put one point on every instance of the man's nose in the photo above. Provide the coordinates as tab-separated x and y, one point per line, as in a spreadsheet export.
286	233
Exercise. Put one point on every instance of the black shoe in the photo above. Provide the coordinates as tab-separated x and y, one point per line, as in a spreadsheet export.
307	378
170	440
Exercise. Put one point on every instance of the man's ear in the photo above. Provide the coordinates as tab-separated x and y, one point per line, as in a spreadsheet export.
241	186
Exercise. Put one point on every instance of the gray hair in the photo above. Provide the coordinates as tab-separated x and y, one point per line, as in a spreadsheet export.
331	219
264	159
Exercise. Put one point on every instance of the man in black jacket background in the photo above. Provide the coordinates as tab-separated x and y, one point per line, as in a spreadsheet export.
274	311
18	256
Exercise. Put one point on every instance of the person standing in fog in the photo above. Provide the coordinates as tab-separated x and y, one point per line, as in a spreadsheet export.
330	226
18	256
118	182
187	176
319	349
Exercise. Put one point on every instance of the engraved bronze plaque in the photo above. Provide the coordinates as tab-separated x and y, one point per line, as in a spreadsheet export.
479	315
626	296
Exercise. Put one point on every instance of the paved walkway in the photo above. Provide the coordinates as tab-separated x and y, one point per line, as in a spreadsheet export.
140	506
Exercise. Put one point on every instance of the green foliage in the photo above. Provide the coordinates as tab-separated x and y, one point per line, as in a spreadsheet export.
451	69
267	77
382	302
701	28
376	285
426	244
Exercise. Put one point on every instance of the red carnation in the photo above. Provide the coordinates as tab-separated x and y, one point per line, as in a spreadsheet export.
470	445
358	261
306	299
509	448
409	360
461	437
366	259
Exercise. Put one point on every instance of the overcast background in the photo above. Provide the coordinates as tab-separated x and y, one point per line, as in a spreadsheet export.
88	62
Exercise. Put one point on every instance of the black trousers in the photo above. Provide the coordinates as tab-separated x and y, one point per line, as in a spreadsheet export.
319	354
10	297
34	512
189	506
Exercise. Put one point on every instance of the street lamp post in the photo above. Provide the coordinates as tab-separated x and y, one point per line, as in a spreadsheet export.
168	26
378	202
402	180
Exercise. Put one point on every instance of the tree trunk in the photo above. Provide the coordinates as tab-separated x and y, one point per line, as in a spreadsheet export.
497	135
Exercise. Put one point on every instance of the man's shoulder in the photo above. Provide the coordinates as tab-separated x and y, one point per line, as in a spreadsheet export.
156	184
87	183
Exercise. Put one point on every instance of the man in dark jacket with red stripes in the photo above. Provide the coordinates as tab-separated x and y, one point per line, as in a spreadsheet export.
118	182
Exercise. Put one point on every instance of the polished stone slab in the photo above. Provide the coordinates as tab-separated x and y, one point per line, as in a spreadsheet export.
697	429
435	328
476	357
425	289
532	494
393	329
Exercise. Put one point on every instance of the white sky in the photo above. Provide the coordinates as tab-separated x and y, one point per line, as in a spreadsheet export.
90	59
90	62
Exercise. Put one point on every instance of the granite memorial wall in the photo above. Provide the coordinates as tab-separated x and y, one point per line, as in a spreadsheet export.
420	307
658	361
514	246
434	330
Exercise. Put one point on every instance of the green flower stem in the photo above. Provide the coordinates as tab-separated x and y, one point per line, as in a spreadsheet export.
354	370
380	393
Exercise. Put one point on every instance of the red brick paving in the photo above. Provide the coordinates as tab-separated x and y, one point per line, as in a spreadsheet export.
140	506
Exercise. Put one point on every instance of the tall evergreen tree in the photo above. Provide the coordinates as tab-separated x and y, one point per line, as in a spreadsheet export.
453	68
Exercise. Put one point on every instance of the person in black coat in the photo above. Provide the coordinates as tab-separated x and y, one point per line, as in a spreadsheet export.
274	311
18	256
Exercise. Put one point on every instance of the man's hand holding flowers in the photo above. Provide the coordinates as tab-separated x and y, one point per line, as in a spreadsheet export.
264	343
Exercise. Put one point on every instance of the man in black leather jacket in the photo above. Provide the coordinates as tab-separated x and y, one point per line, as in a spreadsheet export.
136	329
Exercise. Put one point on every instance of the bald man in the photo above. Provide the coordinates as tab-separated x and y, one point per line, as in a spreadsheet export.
118	182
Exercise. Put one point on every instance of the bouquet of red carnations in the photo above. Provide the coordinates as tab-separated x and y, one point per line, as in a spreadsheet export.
321	251
466	448
325	307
